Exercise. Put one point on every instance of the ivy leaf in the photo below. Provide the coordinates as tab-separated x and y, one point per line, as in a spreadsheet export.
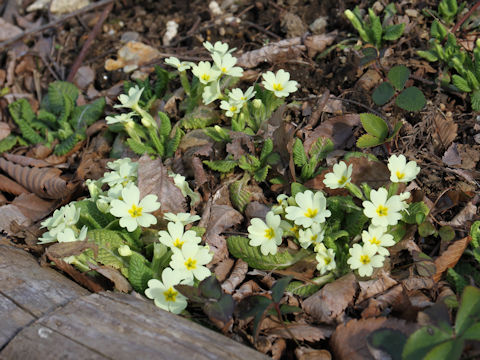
383	93
240	248
398	76
411	99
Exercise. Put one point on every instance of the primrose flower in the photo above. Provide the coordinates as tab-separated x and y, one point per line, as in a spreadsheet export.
238	96
120	118
226	64
340	177
279	83
189	261
176	237
211	92
311	208
266	235
66	216
204	72
182	184
219	48
116	164
180	65
133	212
400	170
381	210
282	203
163	293
127	173
313	235
364	259
325	258
183	218
131	100
377	236
231	108
70	235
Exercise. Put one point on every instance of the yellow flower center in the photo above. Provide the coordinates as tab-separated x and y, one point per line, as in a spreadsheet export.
311	213
277	87
313	238
382	211
365	259
374	241
135	211
170	295
233	108
327	260
243	98
269	233
223	69
342	180
205	77
400	175
191	264
177	243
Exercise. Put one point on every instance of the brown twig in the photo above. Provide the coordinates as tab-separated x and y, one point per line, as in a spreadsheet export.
57	22
96	29
464	18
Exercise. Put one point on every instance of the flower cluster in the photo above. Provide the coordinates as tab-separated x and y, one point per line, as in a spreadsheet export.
213	75
187	263
62	227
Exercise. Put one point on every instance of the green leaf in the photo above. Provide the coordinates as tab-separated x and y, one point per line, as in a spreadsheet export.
160	84
475	234
422	341
426	229
239	195
410	215
7	143
472	333
173	143
266	149
279	288
374	125
388	340
447	351
375	28
220	310
261	174
428	55
368	140
21	110
218	134
475	100
139	272
210	288
469	311
302	289
393	32
297	187
239	247
68	144
446	233
47	118
437	30
108	242
411	99
357	23
249	163
457	280
139	148
354	222
395	131
86	115
60	95
298	151
383	93
370	54
321	148
165	124
461	83
199	118
398	76
223	166
91	216
256	306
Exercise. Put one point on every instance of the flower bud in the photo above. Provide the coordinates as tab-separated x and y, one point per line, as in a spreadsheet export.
124	250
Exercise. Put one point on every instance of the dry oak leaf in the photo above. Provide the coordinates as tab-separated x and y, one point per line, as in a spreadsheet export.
331	301
301	332
349	341
153	179
450	257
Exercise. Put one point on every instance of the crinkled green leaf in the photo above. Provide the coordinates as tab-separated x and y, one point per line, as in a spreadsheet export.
7	143
139	272
139	148
398	76
428	55
223	166
321	148
298	151
85	115
239	195
302	289
424	340
411	99
393	32
239	247
410	215
108	242
60	95
469	311
461	83
475	100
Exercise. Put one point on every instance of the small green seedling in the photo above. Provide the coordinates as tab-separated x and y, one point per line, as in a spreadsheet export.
377	131
374	31
58	120
309	164
410	98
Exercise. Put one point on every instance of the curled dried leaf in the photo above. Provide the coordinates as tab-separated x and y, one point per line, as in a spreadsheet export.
236	277
450	257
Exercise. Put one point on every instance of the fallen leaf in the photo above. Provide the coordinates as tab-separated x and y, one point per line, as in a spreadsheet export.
465	215
248	288
84	77
12	187
349	341
4	130
369	80
256	209
450	257
236	277
218	219
374	287
451	156
7	30
223	268
9	214
445	131
66	249
278	348
317	43
119	281
26	160
301	332
417	283
34	207
331	301
131	56
58	6
470	155
304	353
153	179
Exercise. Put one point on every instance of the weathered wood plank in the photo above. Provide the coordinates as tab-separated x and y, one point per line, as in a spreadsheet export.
35	289
12	319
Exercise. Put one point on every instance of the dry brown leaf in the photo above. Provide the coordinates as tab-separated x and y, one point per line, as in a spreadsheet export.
278	348
450	257
236	277
7	30
451	156
94	159
349	341
417	283
218	219
223	269
256	209
9	214
304	353
11	187
26	160
445	131
369	80
374	287
66	249
115	276
34	207
153	179
302	332
302	270
331	301
131	56
470	155
391	298
248	288
4	130
44	182
465	215
318	43
3	199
